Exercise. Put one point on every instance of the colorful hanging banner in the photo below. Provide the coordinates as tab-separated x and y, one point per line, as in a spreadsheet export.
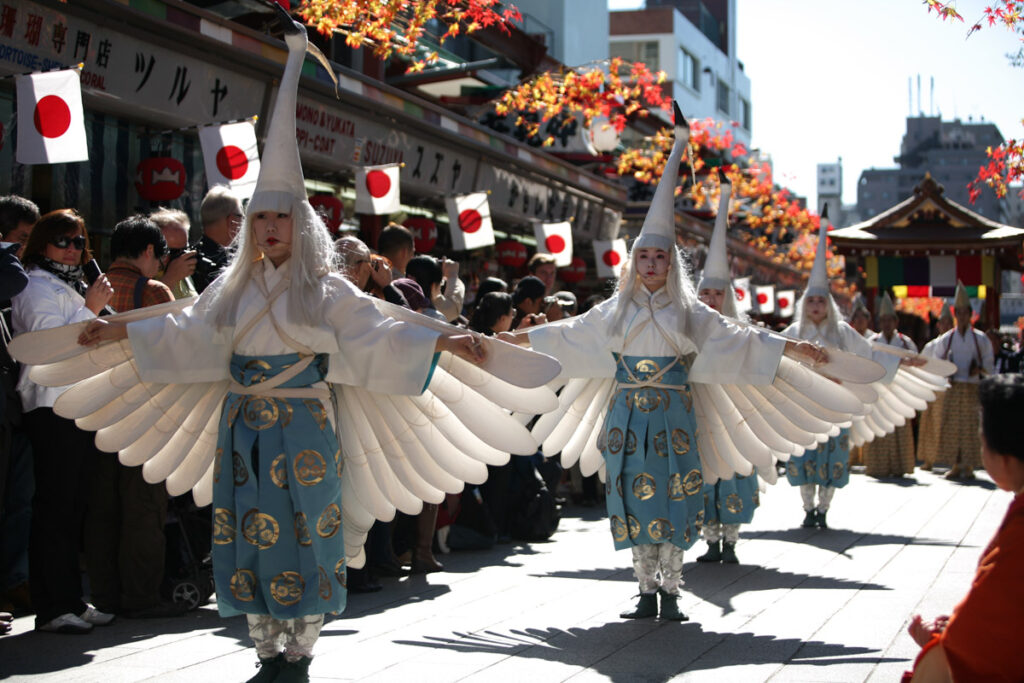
886	272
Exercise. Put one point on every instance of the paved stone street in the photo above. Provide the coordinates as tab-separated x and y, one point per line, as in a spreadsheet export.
806	605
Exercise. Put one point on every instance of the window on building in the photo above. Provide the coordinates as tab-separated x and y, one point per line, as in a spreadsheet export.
723	97
689	70
637	51
744	113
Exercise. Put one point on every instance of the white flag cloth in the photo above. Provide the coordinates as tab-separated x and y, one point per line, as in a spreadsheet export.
231	156
469	218
764	296
377	190
555	239
609	255
51	123
741	286
785	301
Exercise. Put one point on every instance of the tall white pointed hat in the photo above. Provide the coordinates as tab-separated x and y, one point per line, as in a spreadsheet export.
945	315
817	283
858	306
659	228
280	183
885	306
716	267
961	300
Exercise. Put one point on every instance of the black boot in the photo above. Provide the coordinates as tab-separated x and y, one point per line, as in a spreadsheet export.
729	553
294	672
670	607
423	561
810	520
714	553
646	607
268	669
820	520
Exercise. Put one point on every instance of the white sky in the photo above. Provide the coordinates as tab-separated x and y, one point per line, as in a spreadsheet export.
829	79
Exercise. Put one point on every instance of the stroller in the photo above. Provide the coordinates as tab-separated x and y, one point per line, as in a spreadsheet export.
188	569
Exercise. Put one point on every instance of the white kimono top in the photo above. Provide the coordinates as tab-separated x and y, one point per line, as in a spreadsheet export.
366	348
899	340
727	353
963	349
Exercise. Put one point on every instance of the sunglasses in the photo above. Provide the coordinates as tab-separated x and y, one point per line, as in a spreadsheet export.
63	242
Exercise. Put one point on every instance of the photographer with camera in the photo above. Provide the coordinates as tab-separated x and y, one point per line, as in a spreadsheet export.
222	216
181	261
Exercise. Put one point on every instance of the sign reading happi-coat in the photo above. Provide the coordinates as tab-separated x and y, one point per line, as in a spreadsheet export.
231	156
51	123
609	256
555	239
377	190
469	218
764	297
741	286
785	300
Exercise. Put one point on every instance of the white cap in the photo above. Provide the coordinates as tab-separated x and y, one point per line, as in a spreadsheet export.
280	182
659	229
716	266
961	300
817	283
885	307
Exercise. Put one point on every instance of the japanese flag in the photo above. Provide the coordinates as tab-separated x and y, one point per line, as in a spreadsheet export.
609	255
231	156
469	217
764	296
555	239
377	190
785	300
51	124
741	286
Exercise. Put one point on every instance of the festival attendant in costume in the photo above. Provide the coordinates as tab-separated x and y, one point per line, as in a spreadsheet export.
728	503
892	455
817	319
646	335
930	425
981	640
287	326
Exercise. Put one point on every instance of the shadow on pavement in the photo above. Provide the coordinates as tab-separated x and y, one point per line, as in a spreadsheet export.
649	650
840	540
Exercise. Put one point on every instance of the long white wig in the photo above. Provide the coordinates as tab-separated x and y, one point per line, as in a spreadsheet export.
679	285
313	257
832	318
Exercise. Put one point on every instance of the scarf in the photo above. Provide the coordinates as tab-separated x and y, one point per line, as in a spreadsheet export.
70	275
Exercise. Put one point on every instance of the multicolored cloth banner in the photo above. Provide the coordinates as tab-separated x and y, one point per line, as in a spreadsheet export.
930	275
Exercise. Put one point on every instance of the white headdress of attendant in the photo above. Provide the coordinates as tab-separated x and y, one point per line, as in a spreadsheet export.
946	316
886	307
659	228
717	274
817	282
961	300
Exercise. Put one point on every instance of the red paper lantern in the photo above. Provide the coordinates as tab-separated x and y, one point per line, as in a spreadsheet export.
575	272
160	179
424	233
330	209
511	253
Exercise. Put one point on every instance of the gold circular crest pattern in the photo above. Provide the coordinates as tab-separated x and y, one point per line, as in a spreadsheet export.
285	410
279	471
643	486
340	573
630	442
618	529
837	470
217	464
792	469
260	529
661	444
733	503
809	469
660	529
614	440
646	368
329	522
302	529
243	585
686	534
339	461
693	482
823	471
646	400
287	588
675	487
260	413
325	584
634	526
233	410
618	485
680	442
309	467
223	526
257	364
316	409
239	471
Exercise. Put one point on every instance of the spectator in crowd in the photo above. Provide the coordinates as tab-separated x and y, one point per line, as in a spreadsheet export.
17	216
429	275
1004	359
369	274
528	298
181	261
567	301
485	287
542	267
413	293
222	216
397	245
64	456
124	531
980	641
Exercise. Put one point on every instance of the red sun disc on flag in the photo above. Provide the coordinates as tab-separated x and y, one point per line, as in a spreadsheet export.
52	116
762	298
232	162
611	258
378	183
554	244
741	294
470	220
783	302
